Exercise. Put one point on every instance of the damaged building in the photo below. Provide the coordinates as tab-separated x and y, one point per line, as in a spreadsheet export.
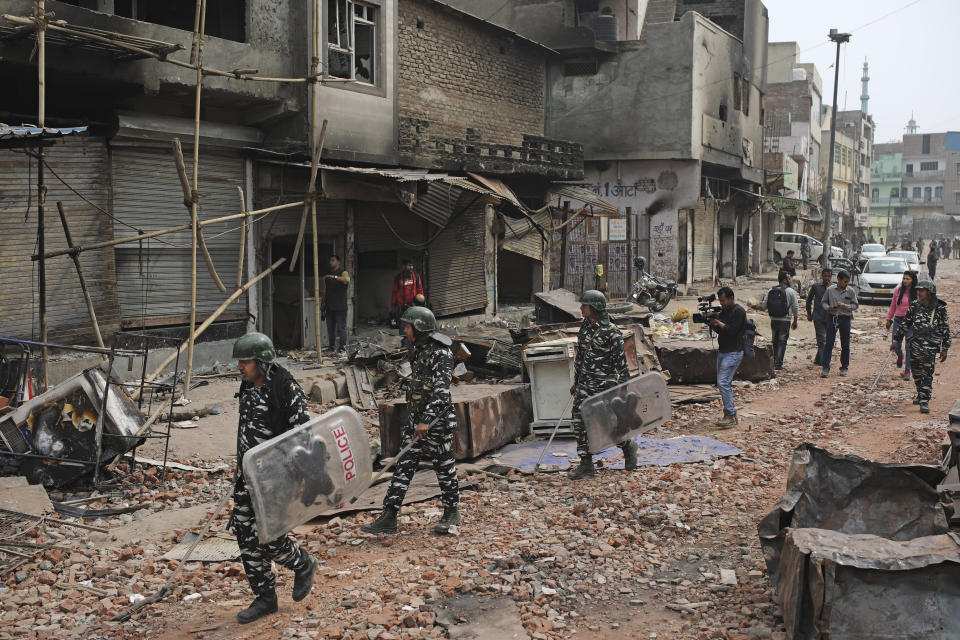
417	162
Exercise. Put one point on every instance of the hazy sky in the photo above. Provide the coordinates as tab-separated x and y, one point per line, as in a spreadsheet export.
913	54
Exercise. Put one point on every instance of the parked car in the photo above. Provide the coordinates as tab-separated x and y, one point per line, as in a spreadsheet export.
868	251
910	256
845	264
784	241
879	277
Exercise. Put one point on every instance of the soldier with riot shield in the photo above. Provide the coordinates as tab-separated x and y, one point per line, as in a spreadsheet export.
430	425
601	363
271	403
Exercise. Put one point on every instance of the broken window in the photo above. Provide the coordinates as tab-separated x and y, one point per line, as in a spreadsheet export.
352	40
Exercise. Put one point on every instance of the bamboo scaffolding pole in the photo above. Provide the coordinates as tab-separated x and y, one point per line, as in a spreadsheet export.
188	196
40	16
210	320
194	196
83	282
315	161
207	71
311	194
196	28
166	231
243	237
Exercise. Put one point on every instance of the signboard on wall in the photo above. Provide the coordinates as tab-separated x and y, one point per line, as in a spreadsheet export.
618	229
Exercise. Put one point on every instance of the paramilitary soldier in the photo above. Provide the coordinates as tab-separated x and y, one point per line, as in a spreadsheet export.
271	403
928	329
432	421
601	363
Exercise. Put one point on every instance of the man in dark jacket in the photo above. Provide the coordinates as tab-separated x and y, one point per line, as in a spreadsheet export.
789	264
336	283
729	327
932	259
817	313
927	320
271	403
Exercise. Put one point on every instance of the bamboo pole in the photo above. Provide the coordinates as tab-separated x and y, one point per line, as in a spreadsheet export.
83	282
194	219
315	161
316	285
40	15
168	230
243	237
196	29
188	194
207	71
210	320
311	194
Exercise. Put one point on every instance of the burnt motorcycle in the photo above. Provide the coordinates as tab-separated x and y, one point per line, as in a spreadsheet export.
650	291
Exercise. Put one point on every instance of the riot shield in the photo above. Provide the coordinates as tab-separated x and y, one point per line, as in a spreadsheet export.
625	411
306	471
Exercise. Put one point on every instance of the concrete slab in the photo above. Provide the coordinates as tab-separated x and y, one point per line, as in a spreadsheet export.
31	499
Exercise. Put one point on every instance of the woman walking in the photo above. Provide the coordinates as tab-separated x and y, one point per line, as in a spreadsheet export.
903	295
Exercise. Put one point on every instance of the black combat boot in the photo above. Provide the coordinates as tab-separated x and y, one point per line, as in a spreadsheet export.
451	518
303	580
924	407
629	455
584	469
263	605
386	523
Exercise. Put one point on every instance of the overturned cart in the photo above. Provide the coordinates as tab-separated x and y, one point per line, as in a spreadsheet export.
52	438
860	550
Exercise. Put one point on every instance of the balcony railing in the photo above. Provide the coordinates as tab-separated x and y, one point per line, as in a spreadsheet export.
922	175
933	201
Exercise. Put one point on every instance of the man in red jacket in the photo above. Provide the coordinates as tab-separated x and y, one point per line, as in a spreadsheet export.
406	287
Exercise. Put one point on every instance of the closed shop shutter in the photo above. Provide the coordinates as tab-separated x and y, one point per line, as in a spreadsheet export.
703	231
154	277
521	236
456	282
82	163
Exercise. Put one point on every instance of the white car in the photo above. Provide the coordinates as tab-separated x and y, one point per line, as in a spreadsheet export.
868	251
879	277
910	256
784	241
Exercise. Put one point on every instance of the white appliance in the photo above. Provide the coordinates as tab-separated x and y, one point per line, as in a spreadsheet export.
550	365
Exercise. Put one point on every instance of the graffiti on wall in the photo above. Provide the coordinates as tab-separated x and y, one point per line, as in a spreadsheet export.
663	248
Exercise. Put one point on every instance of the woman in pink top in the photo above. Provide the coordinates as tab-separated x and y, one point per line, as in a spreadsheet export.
903	295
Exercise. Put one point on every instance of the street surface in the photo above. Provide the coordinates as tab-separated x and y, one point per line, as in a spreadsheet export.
621	555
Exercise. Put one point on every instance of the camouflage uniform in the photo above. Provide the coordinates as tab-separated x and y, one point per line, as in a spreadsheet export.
601	364
930	336
265	412
428	397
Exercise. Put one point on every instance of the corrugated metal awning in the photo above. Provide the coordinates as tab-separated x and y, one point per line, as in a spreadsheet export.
26	134
587	197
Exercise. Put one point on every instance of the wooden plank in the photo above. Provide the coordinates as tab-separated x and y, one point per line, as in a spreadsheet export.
353	389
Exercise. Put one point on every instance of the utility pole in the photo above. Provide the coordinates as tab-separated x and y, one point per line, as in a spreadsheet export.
839	38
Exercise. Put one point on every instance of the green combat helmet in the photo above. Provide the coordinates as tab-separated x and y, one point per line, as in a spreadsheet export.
421	318
254	346
928	285
595	299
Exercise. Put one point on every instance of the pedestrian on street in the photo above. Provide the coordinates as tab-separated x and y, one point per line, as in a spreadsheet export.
927	323
817	313
789	265
956	247
601	363
932	259
432	421
920	245
840	301
945	249
271	403
407	285
903	297
783	307
729	327
804	251
335	285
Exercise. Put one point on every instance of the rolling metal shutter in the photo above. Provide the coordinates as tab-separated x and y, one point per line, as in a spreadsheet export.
522	237
456	281
154	277
82	163
373	234
703	232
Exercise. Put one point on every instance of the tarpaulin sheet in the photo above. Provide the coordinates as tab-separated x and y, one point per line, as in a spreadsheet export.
650	452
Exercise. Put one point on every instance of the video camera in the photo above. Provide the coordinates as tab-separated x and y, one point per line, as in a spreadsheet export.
707	310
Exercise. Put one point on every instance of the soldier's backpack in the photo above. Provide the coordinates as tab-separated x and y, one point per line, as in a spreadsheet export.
777	305
749	337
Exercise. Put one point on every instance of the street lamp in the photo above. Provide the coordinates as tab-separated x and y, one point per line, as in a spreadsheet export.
839	38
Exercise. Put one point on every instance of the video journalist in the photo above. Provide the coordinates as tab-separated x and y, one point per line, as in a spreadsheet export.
728	322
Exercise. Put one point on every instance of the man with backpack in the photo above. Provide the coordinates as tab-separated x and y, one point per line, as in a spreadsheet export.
729	326
782	304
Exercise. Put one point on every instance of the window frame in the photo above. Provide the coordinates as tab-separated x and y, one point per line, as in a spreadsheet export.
379	71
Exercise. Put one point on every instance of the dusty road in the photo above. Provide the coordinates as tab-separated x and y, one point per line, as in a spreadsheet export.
622	555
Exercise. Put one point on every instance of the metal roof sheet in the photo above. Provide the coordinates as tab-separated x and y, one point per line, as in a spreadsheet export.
587	197
32	131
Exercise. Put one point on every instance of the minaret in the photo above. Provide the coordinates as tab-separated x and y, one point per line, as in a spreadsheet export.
912	126
865	96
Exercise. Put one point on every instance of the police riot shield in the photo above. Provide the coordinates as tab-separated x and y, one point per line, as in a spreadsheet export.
308	470
625	411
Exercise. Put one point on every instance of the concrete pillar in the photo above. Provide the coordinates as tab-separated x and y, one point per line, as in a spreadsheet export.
490	257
